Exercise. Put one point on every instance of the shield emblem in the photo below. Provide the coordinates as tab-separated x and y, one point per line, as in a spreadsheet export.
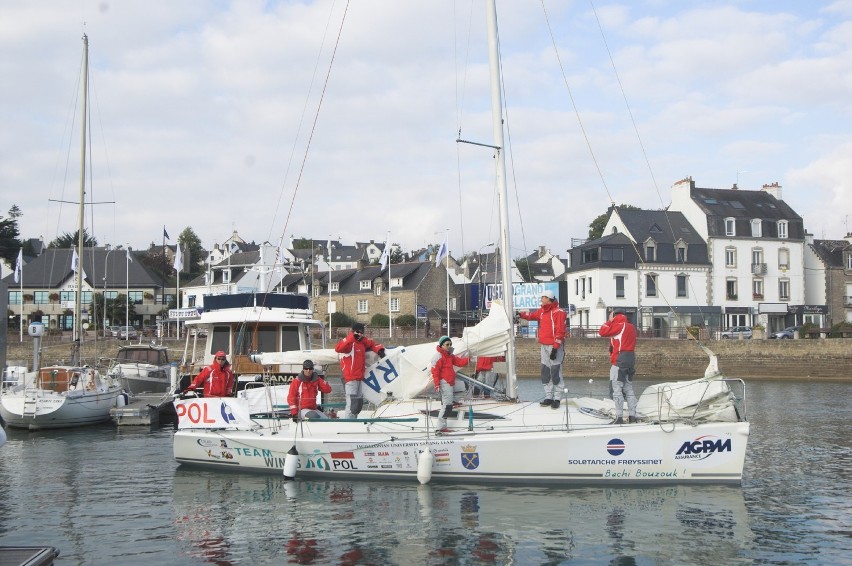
470	460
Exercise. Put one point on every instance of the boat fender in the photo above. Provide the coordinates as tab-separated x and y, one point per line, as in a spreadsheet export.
424	467
291	463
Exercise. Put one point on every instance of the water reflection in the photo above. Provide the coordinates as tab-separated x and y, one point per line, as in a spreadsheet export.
267	520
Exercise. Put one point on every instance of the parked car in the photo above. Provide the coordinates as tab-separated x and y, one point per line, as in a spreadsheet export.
737	331
127	333
787	333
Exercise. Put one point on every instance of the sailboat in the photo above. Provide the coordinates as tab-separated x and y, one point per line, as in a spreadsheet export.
63	396
689	432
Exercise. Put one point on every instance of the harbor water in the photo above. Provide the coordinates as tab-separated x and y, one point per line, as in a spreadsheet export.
106	495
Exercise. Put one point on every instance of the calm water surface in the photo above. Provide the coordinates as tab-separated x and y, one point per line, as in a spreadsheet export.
104	496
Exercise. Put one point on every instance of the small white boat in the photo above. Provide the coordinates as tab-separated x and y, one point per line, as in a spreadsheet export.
59	397
689	432
142	368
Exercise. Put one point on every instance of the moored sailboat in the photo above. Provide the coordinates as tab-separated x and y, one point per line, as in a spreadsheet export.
63	396
691	432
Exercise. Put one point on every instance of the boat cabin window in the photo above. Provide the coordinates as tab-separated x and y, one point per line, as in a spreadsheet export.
290	339
221	339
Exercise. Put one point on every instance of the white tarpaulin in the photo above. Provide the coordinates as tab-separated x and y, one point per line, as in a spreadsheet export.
405	372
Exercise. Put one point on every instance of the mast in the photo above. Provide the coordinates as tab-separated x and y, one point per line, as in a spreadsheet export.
78	303
505	251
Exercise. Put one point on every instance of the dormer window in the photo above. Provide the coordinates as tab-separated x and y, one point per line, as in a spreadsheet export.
396	282
650	251
681	251
730	227
782	228
756	228
365	284
226	276
335	286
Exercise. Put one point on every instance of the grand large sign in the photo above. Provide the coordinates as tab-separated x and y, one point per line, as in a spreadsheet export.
525	296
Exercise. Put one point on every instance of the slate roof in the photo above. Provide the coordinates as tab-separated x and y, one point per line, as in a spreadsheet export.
743	206
665	227
53	267
831	251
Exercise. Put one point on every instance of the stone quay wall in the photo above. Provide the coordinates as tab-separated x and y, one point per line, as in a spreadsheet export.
656	359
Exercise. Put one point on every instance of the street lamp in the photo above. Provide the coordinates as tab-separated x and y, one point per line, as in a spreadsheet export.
106	263
481	290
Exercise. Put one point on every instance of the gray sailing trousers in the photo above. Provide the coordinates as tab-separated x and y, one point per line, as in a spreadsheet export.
551	372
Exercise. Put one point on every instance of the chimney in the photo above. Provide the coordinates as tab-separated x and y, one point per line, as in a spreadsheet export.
774	189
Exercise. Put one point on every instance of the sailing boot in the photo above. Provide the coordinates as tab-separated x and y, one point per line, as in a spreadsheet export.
619	420
546	403
632	419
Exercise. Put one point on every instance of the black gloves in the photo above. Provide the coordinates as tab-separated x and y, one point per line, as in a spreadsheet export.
610	348
295	417
381	353
553	353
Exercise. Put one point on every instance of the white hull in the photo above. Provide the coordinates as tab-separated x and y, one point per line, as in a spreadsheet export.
142	378
35	407
508	443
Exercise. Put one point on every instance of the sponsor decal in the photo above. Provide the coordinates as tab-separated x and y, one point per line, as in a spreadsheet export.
316	461
615	447
469	457
227	414
219	443
343	455
702	448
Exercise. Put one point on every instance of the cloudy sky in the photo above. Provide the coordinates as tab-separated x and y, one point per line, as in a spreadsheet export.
205	114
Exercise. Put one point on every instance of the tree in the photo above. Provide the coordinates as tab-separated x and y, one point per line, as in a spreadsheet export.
115	309
396	255
69	240
303	244
405	320
597	225
379	320
10	244
341	320
193	261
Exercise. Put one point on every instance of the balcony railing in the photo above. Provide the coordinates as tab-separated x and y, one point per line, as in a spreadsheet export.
758	269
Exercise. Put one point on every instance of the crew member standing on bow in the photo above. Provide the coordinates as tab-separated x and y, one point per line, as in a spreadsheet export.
217	378
622	346
444	365
302	395
353	364
551	333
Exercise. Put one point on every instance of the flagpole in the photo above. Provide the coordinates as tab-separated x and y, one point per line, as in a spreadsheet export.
328	305
127	292
390	315
21	278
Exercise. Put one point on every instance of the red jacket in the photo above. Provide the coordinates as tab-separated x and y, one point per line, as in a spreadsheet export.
622	336
486	363
442	367
354	355
551	323
303	394
218	381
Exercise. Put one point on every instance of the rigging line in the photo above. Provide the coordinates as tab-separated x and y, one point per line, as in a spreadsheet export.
301	122
316	119
642	148
574	104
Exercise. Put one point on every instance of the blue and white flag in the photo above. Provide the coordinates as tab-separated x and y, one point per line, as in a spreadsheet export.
442	253
19	265
75	261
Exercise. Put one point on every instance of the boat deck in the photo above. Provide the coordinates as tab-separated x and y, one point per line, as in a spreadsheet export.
27	555
142	410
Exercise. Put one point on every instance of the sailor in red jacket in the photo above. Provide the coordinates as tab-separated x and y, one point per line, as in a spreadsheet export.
622	346
302	396
353	364
444	365
217	378
551	333
485	370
